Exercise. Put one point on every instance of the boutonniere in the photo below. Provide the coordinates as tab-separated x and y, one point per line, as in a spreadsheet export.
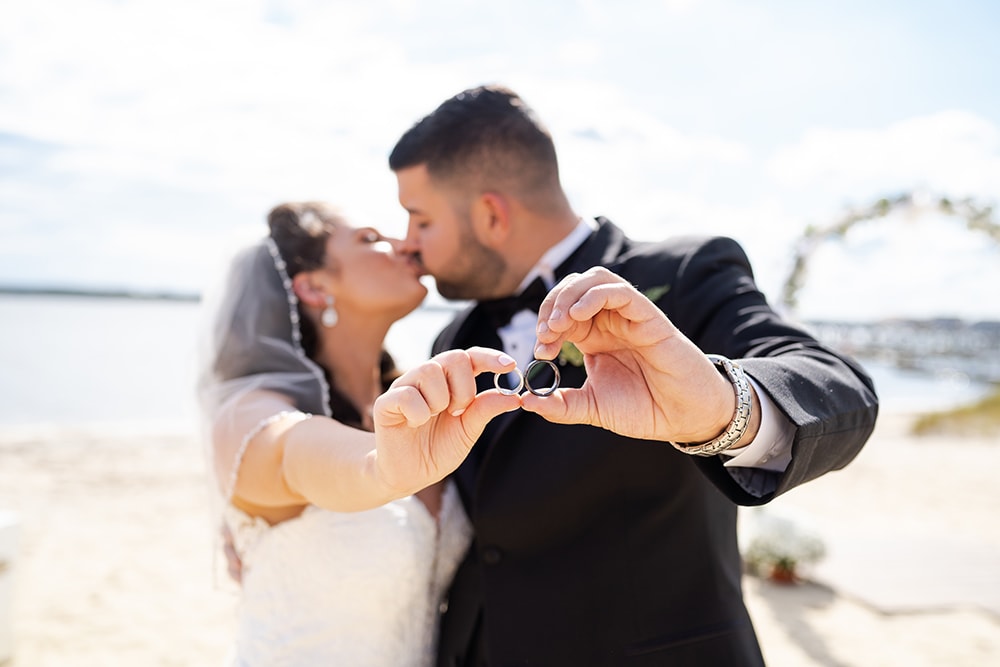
571	354
654	293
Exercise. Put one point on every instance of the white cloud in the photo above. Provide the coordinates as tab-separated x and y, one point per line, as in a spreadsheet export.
954	153
579	52
170	128
904	266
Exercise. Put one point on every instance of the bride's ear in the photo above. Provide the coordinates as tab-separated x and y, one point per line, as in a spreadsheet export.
308	290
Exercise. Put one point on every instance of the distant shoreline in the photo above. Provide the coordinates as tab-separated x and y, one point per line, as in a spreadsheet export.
137	295
101	293
943	322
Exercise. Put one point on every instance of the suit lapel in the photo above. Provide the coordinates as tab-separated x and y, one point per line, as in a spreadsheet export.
469	328
602	248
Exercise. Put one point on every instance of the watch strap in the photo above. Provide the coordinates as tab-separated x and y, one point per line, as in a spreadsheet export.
741	420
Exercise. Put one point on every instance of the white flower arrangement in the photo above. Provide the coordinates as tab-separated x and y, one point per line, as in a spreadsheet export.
776	545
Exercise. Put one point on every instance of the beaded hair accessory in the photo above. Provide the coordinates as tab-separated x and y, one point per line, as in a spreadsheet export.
308	365
293	316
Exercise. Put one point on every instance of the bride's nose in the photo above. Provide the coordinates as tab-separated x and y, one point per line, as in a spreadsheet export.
387	246
395	246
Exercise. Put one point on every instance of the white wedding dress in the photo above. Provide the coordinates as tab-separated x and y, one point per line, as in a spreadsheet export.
357	589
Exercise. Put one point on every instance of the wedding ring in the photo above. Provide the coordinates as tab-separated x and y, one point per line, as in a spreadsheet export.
506	391
547	390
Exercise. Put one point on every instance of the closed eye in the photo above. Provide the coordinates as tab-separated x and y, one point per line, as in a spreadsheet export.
369	235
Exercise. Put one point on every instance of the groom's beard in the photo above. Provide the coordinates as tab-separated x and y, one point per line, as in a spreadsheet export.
473	273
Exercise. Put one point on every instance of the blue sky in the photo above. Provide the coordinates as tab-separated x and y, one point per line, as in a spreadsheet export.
140	142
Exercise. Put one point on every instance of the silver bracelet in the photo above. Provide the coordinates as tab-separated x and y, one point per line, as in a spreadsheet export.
738	426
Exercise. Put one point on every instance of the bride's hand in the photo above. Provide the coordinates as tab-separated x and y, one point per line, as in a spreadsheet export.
428	420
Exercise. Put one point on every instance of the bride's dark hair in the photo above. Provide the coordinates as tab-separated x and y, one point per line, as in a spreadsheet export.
300	231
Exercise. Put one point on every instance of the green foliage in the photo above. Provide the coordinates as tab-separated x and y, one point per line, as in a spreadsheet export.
654	293
978	218
981	418
570	354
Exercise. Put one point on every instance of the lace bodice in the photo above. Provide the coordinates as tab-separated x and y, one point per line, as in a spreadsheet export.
360	589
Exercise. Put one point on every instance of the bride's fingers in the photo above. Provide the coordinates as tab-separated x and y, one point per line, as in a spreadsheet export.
485	359
446	382
487	405
401	405
461	368
431	380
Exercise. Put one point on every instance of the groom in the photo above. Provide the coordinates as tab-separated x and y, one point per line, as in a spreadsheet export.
605	514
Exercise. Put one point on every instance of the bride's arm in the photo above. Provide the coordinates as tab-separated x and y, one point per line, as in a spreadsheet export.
261	437
268	455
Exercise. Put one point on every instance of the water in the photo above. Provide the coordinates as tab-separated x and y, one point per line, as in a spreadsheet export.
79	360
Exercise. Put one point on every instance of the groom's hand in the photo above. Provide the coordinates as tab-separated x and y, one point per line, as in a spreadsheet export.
645	379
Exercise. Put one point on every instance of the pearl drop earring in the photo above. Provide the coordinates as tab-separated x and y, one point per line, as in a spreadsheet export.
329	317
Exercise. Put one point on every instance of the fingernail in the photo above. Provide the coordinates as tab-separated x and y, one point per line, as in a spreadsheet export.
506	359
458	413
556	314
543	327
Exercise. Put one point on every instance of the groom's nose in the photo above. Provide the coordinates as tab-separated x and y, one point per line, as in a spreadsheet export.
409	245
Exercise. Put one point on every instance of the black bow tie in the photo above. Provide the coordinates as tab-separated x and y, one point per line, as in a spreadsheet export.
499	311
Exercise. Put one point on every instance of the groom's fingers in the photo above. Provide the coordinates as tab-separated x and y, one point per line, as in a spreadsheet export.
579	297
564	406
573	307
569	290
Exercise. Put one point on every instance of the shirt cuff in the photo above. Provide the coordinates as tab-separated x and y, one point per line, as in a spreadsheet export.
771	449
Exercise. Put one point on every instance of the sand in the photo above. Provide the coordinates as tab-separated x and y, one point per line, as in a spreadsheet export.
114	561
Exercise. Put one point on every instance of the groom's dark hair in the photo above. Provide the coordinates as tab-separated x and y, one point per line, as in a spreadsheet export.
485	136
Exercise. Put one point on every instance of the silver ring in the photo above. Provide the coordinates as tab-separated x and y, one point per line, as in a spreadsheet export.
505	390
547	391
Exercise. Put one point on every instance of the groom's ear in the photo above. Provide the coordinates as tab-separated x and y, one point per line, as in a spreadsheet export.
491	218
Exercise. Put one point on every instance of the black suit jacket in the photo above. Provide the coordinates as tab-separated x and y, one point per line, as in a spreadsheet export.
595	549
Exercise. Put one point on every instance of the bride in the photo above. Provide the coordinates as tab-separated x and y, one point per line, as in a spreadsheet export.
330	463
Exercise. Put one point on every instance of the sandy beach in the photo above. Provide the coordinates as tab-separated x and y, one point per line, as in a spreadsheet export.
114	561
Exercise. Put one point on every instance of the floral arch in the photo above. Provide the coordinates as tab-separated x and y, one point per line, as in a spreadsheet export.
978	217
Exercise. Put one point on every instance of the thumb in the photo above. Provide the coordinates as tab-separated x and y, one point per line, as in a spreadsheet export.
564	406
484	408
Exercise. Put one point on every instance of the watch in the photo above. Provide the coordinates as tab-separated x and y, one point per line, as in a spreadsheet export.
738	426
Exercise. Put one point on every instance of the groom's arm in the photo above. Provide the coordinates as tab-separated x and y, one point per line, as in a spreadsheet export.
819	406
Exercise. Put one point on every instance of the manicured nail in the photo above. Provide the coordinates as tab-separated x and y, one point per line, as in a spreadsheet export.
458	413
556	314
506	359
543	328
